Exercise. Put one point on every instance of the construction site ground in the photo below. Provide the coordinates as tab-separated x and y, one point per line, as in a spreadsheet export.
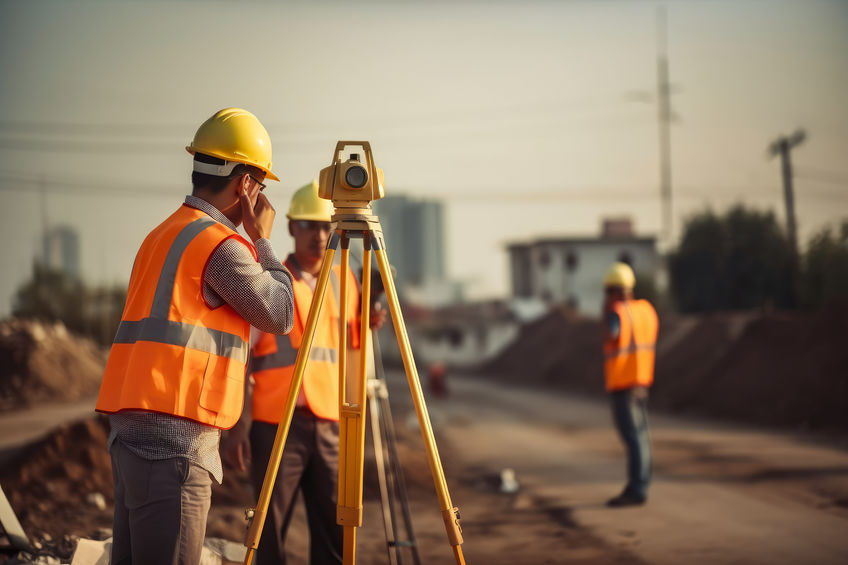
722	493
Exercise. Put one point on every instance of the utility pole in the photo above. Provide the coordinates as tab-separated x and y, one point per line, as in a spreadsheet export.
664	115
45	251
782	147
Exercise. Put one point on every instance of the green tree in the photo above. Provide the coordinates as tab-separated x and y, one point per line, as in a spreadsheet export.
52	295
825	267
738	260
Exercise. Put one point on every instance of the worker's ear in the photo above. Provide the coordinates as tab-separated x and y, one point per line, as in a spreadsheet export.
291	231
244	183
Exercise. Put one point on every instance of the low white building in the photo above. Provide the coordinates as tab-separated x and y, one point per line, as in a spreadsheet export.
570	270
459	336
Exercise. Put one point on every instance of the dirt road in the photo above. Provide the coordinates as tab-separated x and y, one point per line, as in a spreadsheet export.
19	428
721	494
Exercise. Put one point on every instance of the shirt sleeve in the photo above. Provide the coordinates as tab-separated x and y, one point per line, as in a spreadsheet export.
260	291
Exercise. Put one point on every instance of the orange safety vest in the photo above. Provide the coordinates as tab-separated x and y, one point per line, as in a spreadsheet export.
173	353
274	356
630	358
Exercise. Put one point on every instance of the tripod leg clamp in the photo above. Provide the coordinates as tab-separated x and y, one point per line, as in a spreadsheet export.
348	516
451	517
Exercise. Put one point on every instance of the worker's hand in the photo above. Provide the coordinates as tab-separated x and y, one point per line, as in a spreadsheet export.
258	218
378	316
237	447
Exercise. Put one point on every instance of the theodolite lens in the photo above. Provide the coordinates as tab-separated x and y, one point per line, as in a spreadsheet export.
356	176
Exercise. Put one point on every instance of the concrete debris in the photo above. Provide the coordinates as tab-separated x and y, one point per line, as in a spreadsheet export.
227	550
92	552
97	500
509	484
47	560
216	551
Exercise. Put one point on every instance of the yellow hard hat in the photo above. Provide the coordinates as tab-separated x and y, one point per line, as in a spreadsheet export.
307	205
620	274
237	136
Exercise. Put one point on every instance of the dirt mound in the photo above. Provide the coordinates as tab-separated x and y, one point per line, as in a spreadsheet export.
43	361
63	484
781	369
784	369
557	349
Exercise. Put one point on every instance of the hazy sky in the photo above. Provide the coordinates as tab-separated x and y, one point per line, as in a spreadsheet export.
523	117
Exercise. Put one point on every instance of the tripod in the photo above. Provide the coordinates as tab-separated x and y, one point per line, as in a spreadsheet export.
354	223
389	470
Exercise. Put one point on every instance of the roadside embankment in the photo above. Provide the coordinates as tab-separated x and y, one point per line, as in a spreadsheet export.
786	369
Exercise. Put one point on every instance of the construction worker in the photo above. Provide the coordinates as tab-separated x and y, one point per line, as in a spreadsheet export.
310	456
629	349
175	374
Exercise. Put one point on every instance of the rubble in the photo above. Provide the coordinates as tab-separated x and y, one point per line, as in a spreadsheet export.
48	483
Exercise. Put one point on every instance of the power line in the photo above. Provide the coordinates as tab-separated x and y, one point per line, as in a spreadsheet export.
11	181
85	188
76	128
75	137
822	176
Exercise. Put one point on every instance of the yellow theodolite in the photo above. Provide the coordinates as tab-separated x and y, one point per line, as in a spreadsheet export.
352	185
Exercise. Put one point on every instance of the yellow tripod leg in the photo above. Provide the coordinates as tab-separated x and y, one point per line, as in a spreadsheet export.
450	513
257	522
352	416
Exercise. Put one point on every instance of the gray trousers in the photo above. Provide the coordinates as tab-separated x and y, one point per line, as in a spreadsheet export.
310	464
160	509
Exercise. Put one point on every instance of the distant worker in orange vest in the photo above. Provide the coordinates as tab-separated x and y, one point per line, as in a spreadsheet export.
630	337
310	462
175	374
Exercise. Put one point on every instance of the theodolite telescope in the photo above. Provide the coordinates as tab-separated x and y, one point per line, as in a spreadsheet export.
352	183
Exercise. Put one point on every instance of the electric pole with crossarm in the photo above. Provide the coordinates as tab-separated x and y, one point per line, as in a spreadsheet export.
782	147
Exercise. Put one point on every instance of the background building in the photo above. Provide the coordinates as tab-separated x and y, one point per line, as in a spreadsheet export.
415	243
570	270
61	250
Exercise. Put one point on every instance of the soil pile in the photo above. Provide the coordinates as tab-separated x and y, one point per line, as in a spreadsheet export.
784	370
43	361
557	349
781	369
63	484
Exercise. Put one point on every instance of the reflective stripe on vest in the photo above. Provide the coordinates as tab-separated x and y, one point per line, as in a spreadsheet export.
158	329
632	348
169	332
286	355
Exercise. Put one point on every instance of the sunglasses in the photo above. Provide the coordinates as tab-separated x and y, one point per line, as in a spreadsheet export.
314	225
256	180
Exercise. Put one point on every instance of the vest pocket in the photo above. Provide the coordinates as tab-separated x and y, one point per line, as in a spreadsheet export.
223	389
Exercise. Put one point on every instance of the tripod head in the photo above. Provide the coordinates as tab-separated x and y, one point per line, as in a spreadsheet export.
353	183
